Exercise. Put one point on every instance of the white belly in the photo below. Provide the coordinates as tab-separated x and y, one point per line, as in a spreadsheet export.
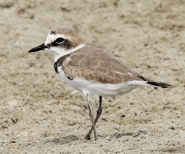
94	88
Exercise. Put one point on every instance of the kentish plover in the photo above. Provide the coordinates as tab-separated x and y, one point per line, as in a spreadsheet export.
89	70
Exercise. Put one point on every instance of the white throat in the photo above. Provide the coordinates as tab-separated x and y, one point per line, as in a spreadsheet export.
60	52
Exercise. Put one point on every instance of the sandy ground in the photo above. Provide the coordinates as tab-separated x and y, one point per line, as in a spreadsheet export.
39	113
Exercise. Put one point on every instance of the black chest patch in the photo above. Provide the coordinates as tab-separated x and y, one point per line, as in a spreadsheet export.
59	62
69	78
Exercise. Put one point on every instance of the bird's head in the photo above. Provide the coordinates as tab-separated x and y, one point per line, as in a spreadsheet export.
60	42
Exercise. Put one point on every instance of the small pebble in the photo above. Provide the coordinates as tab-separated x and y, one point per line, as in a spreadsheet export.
172	128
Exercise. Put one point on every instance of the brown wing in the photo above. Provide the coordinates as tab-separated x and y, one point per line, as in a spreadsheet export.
95	65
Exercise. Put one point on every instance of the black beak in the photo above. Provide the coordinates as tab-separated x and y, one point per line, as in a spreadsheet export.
38	48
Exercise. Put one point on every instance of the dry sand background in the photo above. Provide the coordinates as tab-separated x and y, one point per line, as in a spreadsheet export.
39	112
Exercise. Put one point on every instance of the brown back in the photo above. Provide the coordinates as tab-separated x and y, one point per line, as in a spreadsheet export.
95	65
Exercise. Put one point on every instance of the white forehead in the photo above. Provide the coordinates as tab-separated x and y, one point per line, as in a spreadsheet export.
52	37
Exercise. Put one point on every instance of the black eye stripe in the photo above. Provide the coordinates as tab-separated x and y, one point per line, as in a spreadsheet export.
64	43
59	40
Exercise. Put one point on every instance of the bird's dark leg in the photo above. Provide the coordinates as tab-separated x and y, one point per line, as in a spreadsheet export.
91	115
99	111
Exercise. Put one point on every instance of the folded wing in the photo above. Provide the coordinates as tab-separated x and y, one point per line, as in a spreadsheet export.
95	65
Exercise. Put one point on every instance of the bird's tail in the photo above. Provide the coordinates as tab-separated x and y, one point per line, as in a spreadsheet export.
159	84
155	84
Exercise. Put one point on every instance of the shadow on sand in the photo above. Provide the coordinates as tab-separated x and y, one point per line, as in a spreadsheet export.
72	138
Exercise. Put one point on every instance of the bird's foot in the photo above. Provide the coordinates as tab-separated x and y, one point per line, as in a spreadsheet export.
88	137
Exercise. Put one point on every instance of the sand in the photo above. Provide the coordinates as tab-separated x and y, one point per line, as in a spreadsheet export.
40	113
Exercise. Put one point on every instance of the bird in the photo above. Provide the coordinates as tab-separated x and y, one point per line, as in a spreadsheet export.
90	70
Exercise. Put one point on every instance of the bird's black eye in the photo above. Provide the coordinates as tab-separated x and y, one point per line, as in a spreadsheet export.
59	40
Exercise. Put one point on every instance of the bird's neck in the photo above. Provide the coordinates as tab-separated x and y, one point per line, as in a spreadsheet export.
57	53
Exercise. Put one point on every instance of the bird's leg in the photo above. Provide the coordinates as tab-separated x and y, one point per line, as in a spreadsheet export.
91	115
99	111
